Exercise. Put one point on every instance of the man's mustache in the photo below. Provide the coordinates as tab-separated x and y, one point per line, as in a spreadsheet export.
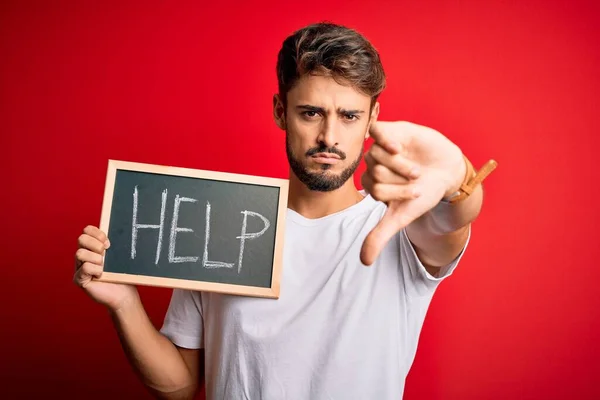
324	149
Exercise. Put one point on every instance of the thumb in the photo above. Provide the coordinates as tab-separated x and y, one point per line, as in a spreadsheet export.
376	240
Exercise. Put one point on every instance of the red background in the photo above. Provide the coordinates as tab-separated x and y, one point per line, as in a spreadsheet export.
191	85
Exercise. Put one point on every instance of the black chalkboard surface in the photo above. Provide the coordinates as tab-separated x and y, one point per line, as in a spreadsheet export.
193	229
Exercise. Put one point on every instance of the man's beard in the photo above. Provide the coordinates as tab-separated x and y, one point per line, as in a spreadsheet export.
320	181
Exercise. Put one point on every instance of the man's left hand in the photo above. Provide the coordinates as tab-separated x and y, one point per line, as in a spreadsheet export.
410	168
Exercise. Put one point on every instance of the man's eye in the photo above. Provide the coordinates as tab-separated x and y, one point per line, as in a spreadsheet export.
351	117
310	114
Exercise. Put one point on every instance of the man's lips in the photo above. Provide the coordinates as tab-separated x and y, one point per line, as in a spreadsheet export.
326	155
325	158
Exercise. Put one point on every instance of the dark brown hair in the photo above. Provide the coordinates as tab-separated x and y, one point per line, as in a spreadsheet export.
333	50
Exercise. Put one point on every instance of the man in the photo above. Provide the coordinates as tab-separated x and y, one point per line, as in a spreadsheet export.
359	269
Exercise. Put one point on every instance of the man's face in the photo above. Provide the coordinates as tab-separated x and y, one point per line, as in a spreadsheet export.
326	126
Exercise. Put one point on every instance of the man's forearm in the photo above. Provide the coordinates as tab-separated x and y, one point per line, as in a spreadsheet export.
440	234
153	356
448	218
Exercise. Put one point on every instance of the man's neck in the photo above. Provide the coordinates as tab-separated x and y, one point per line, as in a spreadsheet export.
313	204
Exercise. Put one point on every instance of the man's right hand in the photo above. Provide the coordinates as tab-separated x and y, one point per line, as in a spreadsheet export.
89	264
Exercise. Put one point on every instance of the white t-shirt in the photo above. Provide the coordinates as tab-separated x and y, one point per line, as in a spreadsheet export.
340	330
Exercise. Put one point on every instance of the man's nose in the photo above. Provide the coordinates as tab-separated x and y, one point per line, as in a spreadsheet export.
328	134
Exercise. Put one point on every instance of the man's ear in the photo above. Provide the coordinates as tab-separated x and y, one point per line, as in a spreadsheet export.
278	111
372	119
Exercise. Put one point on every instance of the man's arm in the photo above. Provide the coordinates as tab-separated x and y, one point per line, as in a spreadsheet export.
440	234
411	167
167	371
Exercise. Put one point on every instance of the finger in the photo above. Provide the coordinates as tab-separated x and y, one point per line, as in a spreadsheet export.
86	273
395	162
90	243
97	234
377	239
83	255
369	161
381	174
390	192
382	134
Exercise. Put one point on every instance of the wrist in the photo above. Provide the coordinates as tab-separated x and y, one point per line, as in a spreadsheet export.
127	307
462	176
471	180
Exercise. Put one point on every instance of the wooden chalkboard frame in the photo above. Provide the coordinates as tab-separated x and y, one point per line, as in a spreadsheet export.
267	292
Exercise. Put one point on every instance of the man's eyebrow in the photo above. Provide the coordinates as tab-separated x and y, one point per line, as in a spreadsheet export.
311	108
346	112
322	110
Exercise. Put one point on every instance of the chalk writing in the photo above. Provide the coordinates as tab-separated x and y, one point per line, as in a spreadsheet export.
176	229
245	235
205	262
135	226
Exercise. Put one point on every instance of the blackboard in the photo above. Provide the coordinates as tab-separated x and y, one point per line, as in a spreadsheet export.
193	229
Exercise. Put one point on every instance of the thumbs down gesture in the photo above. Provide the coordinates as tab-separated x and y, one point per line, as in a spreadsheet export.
410	168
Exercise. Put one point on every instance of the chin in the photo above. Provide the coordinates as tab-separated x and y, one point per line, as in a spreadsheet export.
320	168
326	167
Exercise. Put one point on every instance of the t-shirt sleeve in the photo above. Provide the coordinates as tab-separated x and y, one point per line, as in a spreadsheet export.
416	278
184	323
